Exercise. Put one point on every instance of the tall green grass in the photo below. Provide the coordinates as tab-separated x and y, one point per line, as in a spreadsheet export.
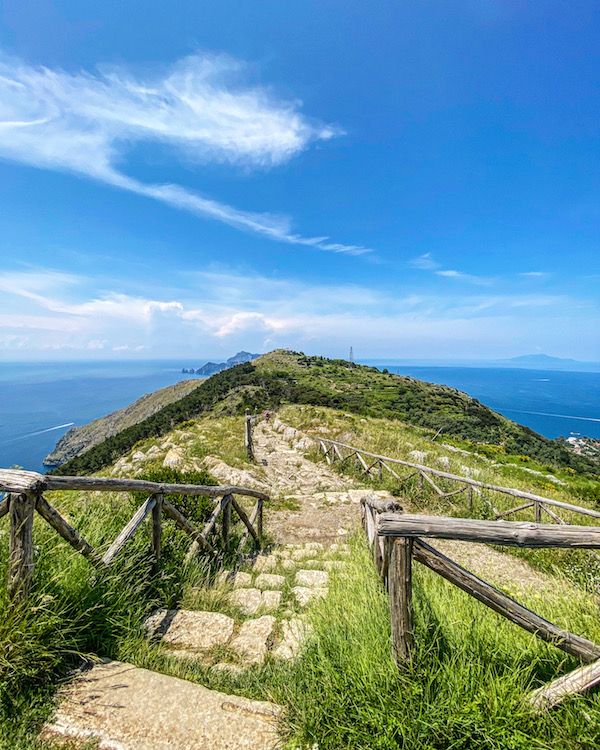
76	612
465	689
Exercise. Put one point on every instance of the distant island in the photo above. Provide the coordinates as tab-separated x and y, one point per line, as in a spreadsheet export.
546	362
212	368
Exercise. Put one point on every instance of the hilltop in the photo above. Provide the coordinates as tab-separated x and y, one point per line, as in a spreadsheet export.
303	620
290	377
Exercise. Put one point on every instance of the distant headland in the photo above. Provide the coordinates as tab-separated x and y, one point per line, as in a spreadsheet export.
212	368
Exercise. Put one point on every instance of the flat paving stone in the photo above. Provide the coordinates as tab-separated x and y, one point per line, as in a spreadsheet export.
305	595
271	600
269	581
189	628
252	640
289	564
265	563
318	578
242	580
124	707
294	634
248	600
303	554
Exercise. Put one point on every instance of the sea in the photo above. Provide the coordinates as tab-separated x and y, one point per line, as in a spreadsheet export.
40	401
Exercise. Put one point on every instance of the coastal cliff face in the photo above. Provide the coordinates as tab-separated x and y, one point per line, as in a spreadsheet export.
80	439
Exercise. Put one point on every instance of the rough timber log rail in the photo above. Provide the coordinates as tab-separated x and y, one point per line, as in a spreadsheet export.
396	539
26	496
375	463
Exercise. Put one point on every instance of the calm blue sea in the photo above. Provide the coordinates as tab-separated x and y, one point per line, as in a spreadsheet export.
39	402
552	403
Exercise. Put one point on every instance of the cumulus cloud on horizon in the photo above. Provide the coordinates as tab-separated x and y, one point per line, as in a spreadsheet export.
220	310
200	107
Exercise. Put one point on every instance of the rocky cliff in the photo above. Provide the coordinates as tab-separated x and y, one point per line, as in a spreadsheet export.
80	439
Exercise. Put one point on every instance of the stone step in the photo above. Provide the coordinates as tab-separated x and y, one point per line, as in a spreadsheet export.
190	634
122	706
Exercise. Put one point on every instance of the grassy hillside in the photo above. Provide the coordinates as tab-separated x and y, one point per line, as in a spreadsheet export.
287	377
467	686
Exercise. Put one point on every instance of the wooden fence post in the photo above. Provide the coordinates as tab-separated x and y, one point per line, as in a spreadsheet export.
157	531
226	524
259	518
248	436
538	512
400	592
470	496
20	566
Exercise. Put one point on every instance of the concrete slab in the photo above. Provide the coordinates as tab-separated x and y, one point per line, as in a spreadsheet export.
124	707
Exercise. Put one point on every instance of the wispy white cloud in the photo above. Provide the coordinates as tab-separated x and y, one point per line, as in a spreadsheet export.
424	262
427	263
450	274
200	107
217	311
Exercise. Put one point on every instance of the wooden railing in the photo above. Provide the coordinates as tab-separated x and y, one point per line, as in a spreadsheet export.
332	450
251	420
397	539
25	496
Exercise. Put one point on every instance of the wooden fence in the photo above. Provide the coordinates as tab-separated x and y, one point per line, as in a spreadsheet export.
397	539
25	496
334	452
251	420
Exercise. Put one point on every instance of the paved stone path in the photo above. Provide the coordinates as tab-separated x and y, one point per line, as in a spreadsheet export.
313	510
275	590
322	505
123	707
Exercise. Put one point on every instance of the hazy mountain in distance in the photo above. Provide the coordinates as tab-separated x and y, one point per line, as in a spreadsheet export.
546	362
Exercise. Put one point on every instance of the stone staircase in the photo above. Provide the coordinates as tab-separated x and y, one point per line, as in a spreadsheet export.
258	614
127	708
268	599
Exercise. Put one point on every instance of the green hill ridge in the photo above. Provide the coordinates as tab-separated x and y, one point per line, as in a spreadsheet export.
291	377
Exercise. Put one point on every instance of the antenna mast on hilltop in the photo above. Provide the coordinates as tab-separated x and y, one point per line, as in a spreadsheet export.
351	358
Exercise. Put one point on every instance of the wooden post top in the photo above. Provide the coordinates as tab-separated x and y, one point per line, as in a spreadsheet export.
21	482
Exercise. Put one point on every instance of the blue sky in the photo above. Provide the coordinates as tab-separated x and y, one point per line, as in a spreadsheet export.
417	180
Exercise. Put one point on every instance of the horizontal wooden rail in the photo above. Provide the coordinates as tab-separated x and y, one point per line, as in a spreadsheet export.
25	497
578	681
509	533
141	485
504	605
468	481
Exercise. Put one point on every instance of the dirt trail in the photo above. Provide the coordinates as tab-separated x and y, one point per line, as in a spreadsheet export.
311	502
